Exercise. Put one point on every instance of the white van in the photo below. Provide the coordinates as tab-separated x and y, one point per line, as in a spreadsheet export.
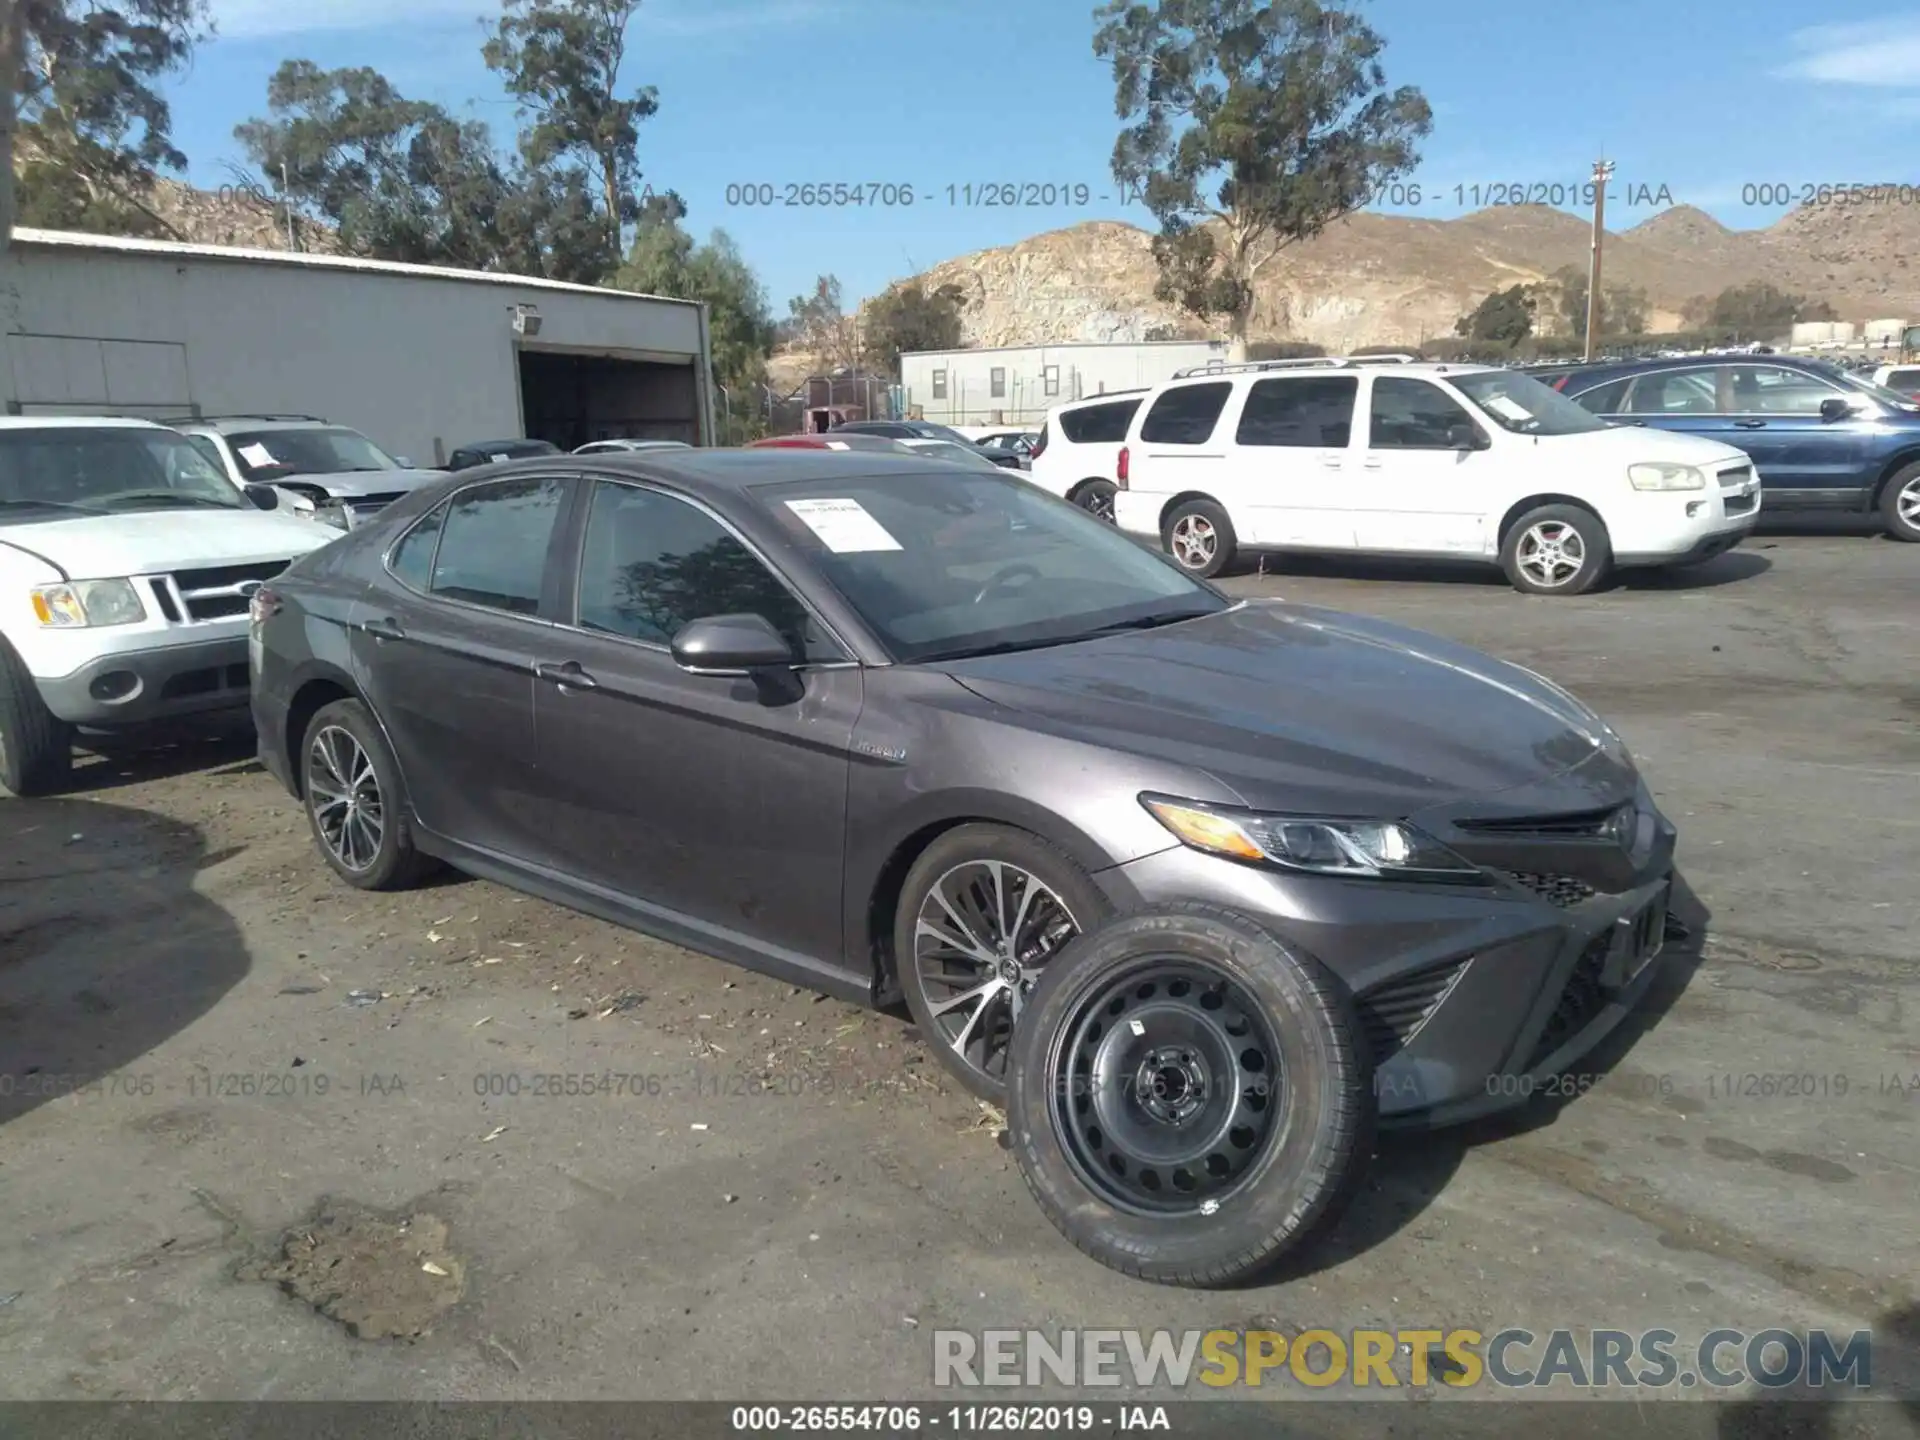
1079	448
1382	455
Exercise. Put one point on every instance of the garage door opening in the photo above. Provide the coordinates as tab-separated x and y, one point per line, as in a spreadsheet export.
572	399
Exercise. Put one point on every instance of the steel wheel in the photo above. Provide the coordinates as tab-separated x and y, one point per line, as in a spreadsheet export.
1907	506
983	931
1194	541
1551	553
343	793
1165	1088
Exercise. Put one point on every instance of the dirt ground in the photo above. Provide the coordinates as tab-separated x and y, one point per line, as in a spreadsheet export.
262	1137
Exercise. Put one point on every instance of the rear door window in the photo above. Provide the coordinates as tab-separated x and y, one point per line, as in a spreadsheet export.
1304	411
493	546
1186	414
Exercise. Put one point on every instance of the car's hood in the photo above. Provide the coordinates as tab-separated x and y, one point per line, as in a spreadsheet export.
1643	444
353	484
157	542
1298	708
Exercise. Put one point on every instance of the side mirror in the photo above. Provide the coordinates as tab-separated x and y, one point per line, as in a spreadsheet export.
719	644
263	497
1467	437
1835	408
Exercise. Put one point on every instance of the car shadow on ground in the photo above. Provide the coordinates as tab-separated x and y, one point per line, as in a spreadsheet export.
1729	569
106	950
110	762
1410	1168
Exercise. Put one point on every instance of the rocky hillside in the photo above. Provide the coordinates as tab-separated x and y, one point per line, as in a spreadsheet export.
1377	279
231	216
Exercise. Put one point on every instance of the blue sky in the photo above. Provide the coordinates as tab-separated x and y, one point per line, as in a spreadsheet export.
1705	99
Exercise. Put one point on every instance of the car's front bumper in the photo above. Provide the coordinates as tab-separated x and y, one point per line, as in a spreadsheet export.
1468	998
138	687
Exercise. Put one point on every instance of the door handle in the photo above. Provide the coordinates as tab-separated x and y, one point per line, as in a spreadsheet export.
1369	464
387	629
567	675
1332	462
1751	424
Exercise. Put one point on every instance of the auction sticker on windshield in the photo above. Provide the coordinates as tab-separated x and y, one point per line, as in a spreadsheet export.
1506	405
257	455
844	526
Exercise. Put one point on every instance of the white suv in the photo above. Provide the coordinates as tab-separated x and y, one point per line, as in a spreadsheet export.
126	565
1385	456
1079	448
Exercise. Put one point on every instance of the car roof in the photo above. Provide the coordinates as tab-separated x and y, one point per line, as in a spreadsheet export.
732	472
228	424
76	422
1600	370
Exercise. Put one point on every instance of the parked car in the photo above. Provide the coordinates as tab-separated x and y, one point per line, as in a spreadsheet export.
1019	442
1901	379
324	472
1383	456
1078	449
967	455
1824	438
493	452
616	447
817	440
126	559
909	430
813	714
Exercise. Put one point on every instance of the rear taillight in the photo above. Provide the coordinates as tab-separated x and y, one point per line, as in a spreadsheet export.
1120	469
263	605
1039	445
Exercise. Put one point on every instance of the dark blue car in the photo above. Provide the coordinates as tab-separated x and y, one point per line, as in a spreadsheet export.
1821	437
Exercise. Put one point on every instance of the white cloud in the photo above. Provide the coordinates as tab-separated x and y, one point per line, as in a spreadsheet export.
1866	52
665	19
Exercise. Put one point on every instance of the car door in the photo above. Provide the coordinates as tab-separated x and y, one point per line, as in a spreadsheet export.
1804	457
1421	485
444	651
1182	445
1292	458
716	798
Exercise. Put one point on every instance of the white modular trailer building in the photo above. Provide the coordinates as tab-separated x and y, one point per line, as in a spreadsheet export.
1018	385
422	360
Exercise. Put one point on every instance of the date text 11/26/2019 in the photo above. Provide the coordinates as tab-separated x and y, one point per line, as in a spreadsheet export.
1073	194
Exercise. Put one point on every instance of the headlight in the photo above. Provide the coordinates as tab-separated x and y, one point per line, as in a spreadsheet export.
1376	849
1663	476
87	603
331	513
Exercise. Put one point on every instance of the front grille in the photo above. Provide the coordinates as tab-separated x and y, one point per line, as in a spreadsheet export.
1566	891
215	594
1579	1002
1575	824
1735	478
1393	1014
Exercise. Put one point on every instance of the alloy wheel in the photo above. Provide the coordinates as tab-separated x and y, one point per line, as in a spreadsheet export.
343	793
1551	553
1097	500
1166	1088
1907	506
1194	541
982	933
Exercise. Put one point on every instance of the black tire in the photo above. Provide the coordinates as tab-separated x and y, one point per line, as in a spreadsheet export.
36	747
962	859
1550	527
1900	504
1267	1184
1211	527
392	863
1096	498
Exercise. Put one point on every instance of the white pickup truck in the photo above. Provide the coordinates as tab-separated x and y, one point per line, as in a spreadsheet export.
127	562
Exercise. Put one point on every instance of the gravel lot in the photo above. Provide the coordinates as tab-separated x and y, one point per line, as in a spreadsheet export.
183	1229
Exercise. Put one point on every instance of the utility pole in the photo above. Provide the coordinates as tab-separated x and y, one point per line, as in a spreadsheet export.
286	199
1602	173
12	44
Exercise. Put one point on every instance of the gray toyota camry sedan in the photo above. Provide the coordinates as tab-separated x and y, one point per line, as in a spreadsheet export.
898	730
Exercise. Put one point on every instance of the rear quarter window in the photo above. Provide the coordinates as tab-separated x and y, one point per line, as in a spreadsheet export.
1098	424
1186	414
1601	399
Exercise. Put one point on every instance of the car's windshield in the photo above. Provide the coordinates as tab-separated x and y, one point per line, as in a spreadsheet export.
978	564
55	470
269	455
1520	403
